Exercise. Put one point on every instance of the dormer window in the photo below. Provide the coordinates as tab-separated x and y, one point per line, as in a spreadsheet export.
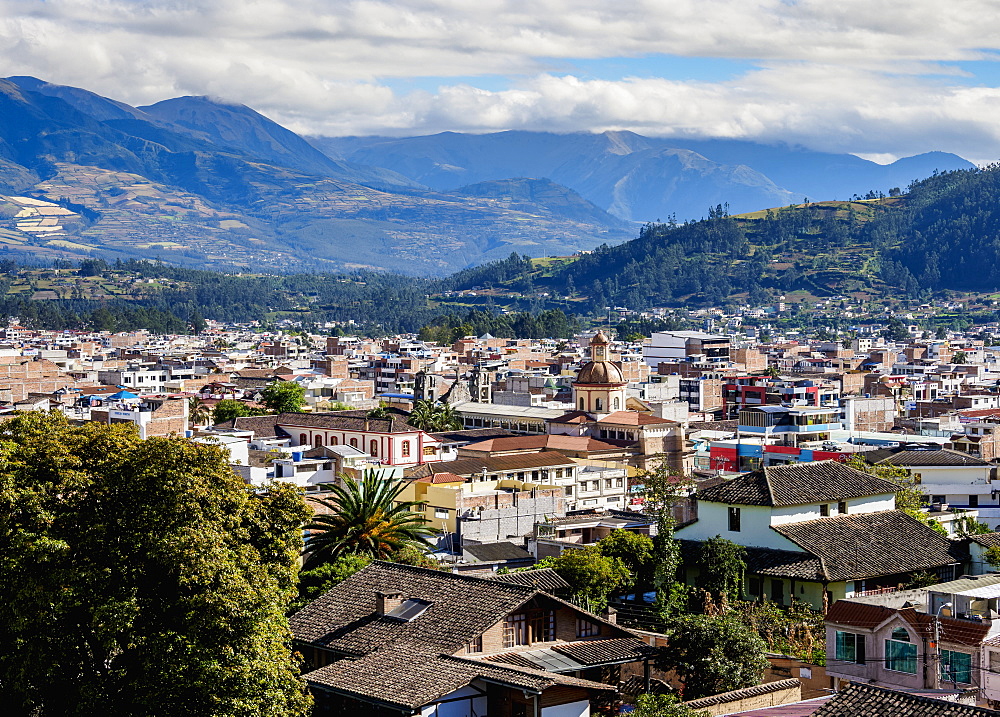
824	510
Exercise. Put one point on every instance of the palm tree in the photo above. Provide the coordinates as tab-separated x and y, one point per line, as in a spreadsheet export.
366	519
434	416
198	411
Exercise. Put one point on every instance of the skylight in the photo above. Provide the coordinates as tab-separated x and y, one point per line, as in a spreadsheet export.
409	610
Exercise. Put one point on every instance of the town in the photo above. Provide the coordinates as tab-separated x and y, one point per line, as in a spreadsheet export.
852	483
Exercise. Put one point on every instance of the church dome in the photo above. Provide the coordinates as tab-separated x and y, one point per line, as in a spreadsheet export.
600	372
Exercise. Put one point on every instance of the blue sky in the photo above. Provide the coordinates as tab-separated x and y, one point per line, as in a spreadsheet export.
877	78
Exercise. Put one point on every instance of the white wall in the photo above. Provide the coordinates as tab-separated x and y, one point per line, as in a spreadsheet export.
571	709
800	513
461	708
755	527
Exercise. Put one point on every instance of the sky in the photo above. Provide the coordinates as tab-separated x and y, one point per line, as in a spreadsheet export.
877	78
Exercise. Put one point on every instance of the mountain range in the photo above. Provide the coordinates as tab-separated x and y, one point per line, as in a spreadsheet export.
200	182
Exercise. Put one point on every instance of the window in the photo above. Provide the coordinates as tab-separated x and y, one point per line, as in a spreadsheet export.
850	647
619	482
824	510
319	441
429	450
354	443
303	439
598	404
956	667
973	501
527	628
939	499
586	628
333	441
581	404
900	654
842	507
405	449
755	587
373	448
475	645
441	513
607	483
734	520
616	404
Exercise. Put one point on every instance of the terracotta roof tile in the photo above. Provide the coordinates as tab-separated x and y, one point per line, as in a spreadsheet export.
862	700
868	545
798	484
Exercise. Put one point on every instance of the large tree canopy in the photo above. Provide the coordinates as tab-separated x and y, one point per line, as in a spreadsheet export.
141	577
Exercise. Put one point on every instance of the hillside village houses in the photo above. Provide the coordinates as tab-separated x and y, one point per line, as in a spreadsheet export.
550	457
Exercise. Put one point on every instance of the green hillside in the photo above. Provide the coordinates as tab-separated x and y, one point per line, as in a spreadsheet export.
943	233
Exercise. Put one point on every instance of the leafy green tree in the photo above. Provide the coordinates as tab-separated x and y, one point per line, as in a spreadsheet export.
992	556
315	582
284	396
591	576
367	518
713	654
634	550
141	577
960	357
665	706
229	408
721	565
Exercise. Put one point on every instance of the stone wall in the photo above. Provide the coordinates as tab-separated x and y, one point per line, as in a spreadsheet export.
492	517
769	694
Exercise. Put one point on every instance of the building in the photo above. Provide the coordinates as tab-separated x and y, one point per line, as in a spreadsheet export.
944	635
394	639
673	346
818	532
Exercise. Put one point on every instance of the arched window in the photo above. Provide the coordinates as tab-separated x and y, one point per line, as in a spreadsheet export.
617	405
581	405
319	441
303	439
333	440
354	443
405	449
373	448
598	404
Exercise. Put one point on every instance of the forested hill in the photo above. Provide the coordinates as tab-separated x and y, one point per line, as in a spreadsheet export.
943	233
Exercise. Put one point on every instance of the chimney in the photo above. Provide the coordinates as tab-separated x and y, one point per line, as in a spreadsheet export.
387	602
611	615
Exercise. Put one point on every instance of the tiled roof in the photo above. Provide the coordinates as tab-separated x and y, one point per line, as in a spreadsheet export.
474	466
939	457
868	545
634	418
987	540
797	484
335	421
746	693
409	664
262	426
602	652
344	619
443	477
410	677
862	700
545	579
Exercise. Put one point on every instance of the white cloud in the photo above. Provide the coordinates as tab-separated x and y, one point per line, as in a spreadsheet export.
861	76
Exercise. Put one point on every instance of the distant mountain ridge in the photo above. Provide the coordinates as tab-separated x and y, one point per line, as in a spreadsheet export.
641	178
205	183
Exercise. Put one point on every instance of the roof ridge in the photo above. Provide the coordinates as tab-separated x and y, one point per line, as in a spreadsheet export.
455	576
